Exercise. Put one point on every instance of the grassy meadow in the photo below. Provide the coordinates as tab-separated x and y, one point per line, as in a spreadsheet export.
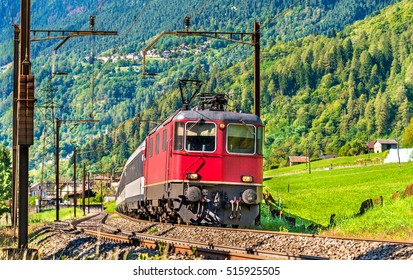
313	197
334	186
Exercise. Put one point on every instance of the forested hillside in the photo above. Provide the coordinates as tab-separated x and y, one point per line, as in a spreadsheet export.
332	95
316	89
149	17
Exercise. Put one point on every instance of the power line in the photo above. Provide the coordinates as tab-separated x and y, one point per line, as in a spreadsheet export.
197	10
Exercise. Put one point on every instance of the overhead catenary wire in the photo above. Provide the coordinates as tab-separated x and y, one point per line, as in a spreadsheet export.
197	10
186	25
94	76
201	6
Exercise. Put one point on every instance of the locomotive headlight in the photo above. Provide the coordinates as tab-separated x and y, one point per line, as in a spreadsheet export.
192	176
193	194
249	196
247	179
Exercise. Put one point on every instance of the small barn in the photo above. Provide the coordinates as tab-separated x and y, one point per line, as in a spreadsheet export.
384	145
327	156
292	160
370	147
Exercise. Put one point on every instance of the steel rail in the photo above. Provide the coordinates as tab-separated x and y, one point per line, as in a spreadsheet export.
209	250
177	246
293	234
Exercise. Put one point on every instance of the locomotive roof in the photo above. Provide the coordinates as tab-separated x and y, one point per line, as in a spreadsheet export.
217	115
196	115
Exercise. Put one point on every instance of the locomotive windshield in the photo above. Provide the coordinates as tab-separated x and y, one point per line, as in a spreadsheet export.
241	139
200	136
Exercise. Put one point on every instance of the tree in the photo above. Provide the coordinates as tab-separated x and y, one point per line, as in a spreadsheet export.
382	110
5	178
366	65
407	136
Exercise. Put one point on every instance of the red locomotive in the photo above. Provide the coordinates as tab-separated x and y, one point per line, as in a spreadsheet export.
200	166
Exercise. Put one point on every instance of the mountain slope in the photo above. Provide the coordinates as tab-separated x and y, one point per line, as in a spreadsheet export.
119	92
327	94
332	95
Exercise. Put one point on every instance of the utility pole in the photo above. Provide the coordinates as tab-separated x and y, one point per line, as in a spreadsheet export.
88	192
397	140
15	148
74	182
57	166
83	188
23	113
256	41
65	35
308	159
57	157
101	185
47	105
25	119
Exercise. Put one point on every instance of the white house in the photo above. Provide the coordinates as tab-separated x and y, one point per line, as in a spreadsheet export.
384	145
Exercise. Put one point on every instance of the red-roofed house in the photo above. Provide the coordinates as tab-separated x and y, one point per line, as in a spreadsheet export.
296	159
370	147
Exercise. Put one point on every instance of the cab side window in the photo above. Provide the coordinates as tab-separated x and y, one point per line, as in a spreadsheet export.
179	136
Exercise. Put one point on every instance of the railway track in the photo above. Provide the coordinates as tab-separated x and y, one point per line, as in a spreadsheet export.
227	243
279	233
94	226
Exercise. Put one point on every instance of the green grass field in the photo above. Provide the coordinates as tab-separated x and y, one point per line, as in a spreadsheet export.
48	216
314	197
311	198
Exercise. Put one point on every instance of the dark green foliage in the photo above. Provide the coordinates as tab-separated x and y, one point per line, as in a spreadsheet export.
407	137
5	178
361	87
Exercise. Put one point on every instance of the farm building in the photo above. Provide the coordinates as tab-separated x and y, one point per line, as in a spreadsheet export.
384	145
296	160
370	147
327	156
